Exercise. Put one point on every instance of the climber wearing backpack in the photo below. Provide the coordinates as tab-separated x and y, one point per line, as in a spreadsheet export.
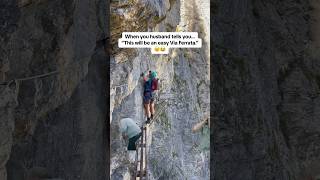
130	129
150	86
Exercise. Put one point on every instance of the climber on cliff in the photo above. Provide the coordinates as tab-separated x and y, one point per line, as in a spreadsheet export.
131	130
203	125
150	86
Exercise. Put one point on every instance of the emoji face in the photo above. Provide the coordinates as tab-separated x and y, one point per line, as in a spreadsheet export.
163	48
157	49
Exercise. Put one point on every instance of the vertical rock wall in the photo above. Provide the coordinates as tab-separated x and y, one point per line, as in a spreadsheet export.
265	90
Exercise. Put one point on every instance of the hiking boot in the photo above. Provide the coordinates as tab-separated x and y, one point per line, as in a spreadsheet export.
148	121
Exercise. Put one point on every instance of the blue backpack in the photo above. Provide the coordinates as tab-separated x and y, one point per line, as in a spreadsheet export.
152	83
148	86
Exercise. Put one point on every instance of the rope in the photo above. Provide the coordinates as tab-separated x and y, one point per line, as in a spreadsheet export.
160	110
40	75
29	78
37	76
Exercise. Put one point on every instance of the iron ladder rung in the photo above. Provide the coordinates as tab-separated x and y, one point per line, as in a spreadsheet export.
143	175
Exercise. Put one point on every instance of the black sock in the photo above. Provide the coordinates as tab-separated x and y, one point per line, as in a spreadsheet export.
151	116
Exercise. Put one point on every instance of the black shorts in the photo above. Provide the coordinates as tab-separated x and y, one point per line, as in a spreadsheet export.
132	142
148	97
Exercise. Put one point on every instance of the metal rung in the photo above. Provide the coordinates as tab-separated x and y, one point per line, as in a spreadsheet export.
144	174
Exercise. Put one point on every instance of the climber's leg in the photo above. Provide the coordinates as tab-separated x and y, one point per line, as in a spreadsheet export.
152	111
132	142
147	101
152	99
147	110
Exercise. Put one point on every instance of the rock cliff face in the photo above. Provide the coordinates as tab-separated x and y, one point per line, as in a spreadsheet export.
52	71
183	96
266	89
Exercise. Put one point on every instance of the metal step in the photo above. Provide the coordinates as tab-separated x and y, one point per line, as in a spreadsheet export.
143	175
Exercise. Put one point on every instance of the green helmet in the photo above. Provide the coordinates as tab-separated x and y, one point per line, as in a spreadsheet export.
153	74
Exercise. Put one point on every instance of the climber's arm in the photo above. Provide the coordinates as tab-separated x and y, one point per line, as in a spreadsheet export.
144	77
123	130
